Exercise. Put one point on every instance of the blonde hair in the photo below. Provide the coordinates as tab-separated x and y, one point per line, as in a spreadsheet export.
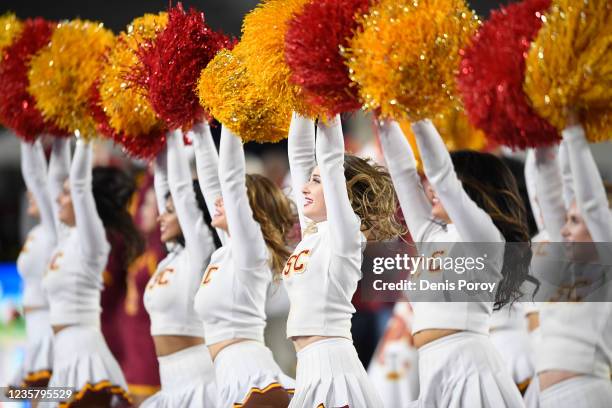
276	216
373	198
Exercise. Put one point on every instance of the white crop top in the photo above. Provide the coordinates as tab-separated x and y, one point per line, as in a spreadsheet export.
232	295
170	293
575	336
470	223
41	240
322	274
73	280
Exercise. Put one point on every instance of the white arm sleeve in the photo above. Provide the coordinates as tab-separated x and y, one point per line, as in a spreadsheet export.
588	186
59	170
549	191
207	167
92	235
566	176
301	148
402	167
471	221
193	226
34	170
531	184
160	180
344	224
246	237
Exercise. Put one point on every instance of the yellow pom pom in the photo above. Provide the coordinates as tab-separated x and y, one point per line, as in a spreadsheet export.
10	28
406	55
62	74
263	48
569	66
454	128
125	103
226	89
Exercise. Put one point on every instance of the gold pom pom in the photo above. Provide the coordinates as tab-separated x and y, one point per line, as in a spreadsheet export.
226	89
454	128
263	49
569	66
10	28
124	102
61	74
406	55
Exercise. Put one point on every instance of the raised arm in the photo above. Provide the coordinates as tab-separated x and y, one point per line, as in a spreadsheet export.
472	222
207	166
549	190
531	172
59	170
301	149
160	180
402	167
588	186
193	226
92	235
344	224
566	176
34	170
245	233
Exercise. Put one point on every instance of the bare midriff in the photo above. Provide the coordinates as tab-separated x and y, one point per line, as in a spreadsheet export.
299	342
552	377
59	327
166	345
428	335
216	348
32	309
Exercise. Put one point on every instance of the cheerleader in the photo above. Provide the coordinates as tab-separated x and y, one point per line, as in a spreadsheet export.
31	265
458	365
254	217
73	283
337	200
185	367
573	355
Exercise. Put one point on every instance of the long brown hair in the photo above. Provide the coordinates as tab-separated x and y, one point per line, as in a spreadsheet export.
275	213
372	197
492	186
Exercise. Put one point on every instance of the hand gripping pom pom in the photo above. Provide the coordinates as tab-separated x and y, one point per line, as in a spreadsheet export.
406	55
17	107
173	63
569	66
491	77
226	90
313	45
62	73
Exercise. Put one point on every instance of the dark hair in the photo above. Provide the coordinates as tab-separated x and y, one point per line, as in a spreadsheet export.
207	217
112	190
492	186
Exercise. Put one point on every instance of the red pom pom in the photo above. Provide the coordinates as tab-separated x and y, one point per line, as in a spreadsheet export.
17	107
313	42
145	147
491	77
173	62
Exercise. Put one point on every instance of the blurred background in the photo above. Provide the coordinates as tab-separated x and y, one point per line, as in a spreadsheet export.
270	160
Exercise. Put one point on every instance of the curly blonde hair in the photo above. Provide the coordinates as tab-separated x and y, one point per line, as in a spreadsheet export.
276	214
373	198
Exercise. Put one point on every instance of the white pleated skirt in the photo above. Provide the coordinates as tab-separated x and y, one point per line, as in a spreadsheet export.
464	370
584	391
330	375
187	380
246	370
83	361
515	348
38	356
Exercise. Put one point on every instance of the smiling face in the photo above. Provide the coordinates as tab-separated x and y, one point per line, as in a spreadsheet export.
575	229
168	223
314	200
32	209
219	220
66	210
